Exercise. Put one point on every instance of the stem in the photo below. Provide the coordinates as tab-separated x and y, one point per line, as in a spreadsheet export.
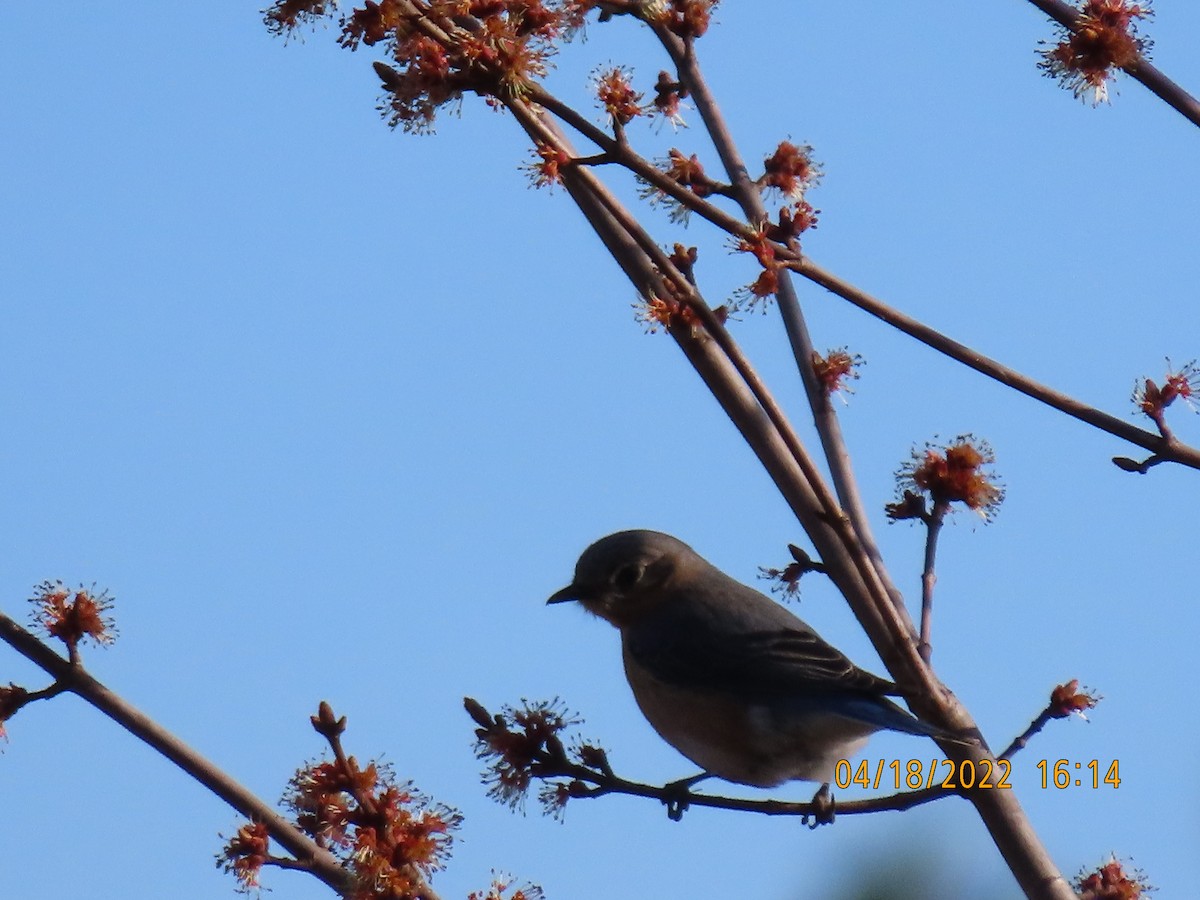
1022	739
933	528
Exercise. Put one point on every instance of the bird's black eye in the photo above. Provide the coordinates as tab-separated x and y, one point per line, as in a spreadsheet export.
627	576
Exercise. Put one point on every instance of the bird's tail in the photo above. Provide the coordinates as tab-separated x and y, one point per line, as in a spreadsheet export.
888	715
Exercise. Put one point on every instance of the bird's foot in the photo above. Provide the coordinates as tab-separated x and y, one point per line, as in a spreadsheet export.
677	795
823	808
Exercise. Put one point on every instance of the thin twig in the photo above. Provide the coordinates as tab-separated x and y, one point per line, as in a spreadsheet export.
933	528
1021	740
1065	699
1173	450
512	746
666	794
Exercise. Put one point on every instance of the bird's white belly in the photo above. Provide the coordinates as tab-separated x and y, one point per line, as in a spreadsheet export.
745	743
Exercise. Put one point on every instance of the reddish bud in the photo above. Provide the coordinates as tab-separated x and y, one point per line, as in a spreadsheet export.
955	473
1112	882
1103	38
245	854
72	616
792	222
1067	698
668	96
790	169
687	19
549	162
834	370
617	96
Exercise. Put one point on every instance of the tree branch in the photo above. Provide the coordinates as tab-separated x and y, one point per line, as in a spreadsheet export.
75	679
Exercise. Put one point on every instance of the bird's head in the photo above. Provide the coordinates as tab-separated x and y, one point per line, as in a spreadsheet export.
622	577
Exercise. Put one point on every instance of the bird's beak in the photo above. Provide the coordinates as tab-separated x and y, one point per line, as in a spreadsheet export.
566	595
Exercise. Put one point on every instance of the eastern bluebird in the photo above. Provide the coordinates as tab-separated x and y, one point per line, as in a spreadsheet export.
728	677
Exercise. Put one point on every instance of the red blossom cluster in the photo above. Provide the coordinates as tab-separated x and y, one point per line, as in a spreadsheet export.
688	172
245	854
391	835
386	835
547	166
1153	400
284	17
790	169
787	579
668	97
439	50
614	89
371	24
73	615
671	312
1067	698
523	744
955	473
499	891
515	741
677	308
1112	882
759	245
833	370
687	18
1103	38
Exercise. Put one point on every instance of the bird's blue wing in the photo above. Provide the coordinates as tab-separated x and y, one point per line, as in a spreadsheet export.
687	647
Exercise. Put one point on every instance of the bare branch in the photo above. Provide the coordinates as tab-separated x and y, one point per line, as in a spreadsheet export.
1168	449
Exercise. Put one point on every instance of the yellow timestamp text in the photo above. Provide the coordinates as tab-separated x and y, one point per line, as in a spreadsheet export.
1063	773
919	773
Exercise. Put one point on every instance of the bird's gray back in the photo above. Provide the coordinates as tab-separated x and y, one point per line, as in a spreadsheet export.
714	631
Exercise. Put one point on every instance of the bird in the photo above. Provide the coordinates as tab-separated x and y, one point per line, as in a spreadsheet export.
739	685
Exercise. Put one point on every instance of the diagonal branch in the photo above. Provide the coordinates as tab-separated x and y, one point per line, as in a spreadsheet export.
76	680
931	337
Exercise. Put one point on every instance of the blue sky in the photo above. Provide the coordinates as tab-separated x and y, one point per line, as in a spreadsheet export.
331	410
